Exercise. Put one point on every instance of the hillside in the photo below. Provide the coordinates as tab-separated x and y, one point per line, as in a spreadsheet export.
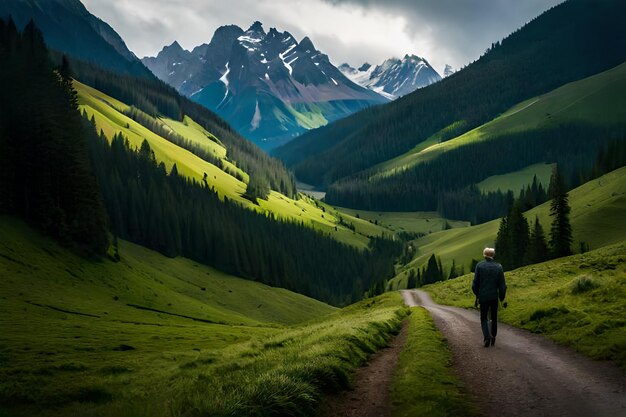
597	219
95	337
570	125
546	53
578	300
229	181
598	100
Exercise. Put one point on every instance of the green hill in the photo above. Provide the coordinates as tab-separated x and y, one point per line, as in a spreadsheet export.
108	113
598	100
597	218
578	301
151	335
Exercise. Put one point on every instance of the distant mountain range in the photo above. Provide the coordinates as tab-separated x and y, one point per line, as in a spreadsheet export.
69	27
394	77
267	85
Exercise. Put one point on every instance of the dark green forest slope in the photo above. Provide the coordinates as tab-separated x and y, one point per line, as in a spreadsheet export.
569	42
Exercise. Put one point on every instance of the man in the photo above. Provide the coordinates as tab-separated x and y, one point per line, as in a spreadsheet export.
489	286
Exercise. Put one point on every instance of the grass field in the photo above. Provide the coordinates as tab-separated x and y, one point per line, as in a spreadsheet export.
107	112
412	222
152	336
599	100
424	384
579	301
517	180
597	218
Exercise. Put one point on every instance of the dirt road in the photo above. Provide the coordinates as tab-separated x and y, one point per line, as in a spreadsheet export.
525	374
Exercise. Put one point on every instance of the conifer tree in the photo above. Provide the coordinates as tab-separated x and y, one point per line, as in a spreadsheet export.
453	271
561	230
537	247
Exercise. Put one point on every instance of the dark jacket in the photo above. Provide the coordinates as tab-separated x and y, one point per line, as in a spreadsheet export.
489	283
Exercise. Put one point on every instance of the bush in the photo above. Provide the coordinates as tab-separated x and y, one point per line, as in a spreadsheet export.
582	284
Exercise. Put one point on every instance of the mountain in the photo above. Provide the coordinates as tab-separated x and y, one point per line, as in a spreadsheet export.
394	77
68	27
268	86
545	54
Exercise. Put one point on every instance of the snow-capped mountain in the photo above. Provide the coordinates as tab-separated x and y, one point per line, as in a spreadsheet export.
448	70
394	77
268	86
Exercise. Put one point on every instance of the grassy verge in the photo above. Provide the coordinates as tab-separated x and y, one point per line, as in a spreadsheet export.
579	301
424	384
287	374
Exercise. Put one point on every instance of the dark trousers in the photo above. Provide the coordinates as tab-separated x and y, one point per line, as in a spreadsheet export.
492	308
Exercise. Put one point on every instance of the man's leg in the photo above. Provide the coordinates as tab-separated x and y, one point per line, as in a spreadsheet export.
484	324
494	321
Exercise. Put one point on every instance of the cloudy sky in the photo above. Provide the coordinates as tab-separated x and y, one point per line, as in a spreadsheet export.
453	32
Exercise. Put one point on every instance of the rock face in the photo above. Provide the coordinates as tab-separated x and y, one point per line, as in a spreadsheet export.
267	85
394	77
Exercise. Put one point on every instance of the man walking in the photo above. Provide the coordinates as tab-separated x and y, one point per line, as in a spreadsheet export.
489	286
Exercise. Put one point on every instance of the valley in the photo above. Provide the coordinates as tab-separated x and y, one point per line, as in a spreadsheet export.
237	225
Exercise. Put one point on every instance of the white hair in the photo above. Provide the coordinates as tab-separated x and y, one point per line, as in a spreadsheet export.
489	252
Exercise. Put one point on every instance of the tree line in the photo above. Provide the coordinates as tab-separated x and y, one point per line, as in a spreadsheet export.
181	217
518	244
446	183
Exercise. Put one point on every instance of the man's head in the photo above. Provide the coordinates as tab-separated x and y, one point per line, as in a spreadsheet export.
489	253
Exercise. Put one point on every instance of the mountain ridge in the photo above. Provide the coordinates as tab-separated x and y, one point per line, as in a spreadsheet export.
394	77
268	85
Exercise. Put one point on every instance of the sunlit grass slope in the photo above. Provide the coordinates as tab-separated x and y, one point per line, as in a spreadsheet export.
109	117
156	336
579	301
412	222
517	180
597	100
597	218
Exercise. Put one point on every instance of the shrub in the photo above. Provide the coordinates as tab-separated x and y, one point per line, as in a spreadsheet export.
582	284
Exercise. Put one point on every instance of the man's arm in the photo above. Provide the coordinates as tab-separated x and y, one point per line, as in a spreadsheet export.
502	285
476	282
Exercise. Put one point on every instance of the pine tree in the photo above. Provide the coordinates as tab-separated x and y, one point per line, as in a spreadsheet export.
412	280
537	247
561	230
433	273
453	271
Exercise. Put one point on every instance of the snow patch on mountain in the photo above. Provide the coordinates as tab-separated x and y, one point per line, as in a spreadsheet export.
394	77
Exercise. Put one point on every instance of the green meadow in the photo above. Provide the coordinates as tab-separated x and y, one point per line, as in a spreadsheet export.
579	301
149	333
515	181
424	222
597	218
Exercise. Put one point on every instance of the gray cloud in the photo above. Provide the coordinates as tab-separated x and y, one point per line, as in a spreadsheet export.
452	32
